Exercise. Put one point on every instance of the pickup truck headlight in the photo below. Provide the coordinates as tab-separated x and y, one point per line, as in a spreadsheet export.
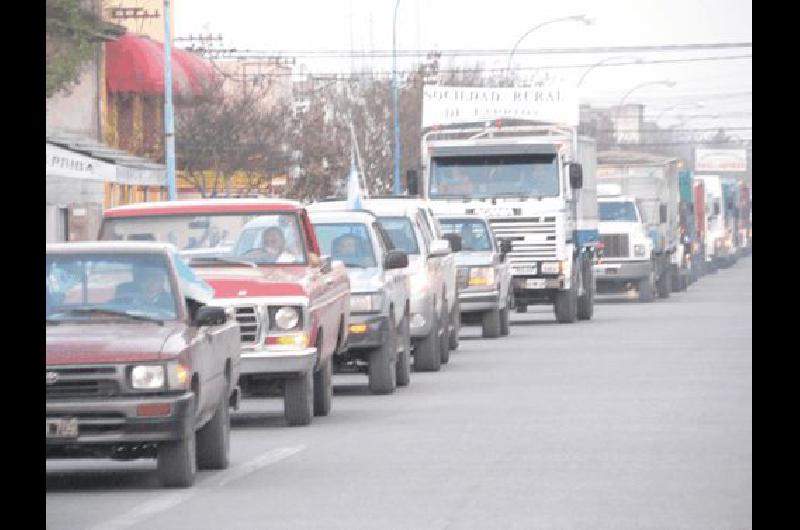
285	318
551	267
481	276
147	377
639	250
366	303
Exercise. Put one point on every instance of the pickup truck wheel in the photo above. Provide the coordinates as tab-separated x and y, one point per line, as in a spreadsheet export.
505	324
566	302
665	284
456	320
586	302
177	462
426	352
214	438
444	345
298	399
491	324
382	363
323	388
403	367
647	290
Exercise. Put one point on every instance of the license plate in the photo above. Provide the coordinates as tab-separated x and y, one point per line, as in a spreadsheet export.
524	270
535	283
62	428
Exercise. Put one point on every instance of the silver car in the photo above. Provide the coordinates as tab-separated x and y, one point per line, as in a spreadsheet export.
379	338
484	275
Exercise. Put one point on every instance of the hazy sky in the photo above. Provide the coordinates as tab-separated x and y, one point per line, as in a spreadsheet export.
497	24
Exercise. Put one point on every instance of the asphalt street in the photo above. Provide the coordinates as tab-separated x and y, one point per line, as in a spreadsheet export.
639	418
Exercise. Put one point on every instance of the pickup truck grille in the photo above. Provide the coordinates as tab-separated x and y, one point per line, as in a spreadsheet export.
533	238
462	277
249	326
616	245
82	388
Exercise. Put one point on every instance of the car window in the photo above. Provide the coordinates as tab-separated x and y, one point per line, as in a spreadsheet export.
475	236
401	232
382	239
347	242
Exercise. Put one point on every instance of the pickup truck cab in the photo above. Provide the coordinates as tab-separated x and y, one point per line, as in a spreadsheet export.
379	338
262	258
138	365
484	275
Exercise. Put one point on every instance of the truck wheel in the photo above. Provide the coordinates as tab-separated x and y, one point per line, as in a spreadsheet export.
491	324
647	290
323	388
382	363
566	302
665	284
403	367
586	301
214	438
298	399
505	325
444	345
426	352
177	462
455	318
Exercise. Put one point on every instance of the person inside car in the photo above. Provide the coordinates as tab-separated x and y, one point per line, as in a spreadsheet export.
350	250
273	247
146	291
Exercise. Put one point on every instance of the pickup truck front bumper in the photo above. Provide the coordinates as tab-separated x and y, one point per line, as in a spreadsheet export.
473	301
277	361
376	334
623	271
118	422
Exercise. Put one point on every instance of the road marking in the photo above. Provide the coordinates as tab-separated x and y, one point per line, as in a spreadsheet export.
170	500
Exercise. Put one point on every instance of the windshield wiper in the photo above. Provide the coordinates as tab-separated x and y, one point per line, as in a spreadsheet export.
112	312
222	260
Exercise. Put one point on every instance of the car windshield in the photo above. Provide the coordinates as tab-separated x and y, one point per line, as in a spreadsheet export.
617	211
401	232
347	242
223	236
86	286
474	234
494	176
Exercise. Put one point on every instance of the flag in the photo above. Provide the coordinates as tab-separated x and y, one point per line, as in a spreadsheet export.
353	187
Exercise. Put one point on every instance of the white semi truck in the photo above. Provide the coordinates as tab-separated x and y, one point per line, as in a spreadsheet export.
536	185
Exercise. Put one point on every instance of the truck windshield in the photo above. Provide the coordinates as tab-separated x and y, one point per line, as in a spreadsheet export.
474	234
84	286
217	235
617	211
347	242
401	232
483	177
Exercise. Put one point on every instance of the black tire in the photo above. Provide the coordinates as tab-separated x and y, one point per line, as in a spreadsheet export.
214	438
455	318
665	284
444	338
586	301
490	324
520	308
647	289
426	351
323	388
177	462
382	370
566	302
505	324
403	366
298	399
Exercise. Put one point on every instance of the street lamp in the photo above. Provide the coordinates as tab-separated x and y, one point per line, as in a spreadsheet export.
580	18
665	82
637	60
394	96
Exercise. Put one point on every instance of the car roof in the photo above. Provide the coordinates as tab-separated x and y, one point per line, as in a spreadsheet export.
203	206
110	246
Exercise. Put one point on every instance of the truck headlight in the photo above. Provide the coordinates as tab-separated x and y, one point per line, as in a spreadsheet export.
147	377
177	376
639	250
366	303
285	318
481	276
551	267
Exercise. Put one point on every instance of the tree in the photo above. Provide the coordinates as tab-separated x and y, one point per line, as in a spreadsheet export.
72	31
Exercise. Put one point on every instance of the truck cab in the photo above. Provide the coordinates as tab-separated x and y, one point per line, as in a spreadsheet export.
718	244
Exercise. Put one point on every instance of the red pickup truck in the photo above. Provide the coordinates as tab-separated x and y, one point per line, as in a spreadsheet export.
262	258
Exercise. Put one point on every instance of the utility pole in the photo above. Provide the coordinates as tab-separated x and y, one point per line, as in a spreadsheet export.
396	116
169	125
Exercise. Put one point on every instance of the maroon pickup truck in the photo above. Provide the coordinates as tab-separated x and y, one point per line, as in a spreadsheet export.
262	258
137	362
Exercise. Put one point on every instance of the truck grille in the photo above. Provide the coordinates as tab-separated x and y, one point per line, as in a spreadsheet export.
616	245
82	388
533	238
247	317
462	277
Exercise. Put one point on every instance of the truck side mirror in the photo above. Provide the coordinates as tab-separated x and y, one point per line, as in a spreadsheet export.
662	213
412	182
455	242
575	175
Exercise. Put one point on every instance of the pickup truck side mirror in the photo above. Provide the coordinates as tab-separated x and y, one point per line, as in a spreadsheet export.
455	242
440	247
575	175
662	213
210	316
326	264
395	259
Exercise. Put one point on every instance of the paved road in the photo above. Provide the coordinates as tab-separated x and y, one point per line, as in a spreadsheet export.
641	418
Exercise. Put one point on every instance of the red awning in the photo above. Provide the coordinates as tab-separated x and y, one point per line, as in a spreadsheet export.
136	64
